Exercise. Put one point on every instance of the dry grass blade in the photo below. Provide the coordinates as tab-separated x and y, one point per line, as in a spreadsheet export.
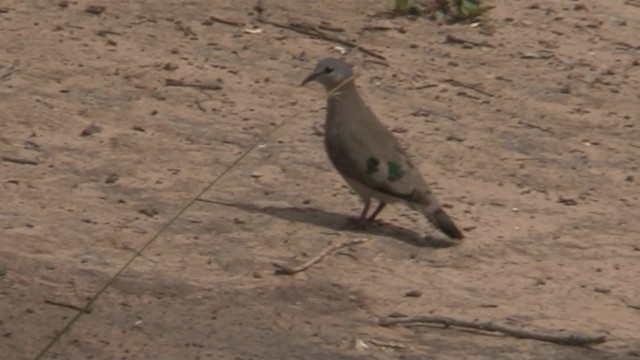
290	270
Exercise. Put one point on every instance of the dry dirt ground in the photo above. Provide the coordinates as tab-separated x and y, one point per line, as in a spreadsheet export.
530	134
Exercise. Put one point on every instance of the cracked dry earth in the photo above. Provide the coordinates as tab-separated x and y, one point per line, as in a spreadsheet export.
530	133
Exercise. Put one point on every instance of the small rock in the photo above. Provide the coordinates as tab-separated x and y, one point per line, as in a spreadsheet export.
567	201
95	9
455	138
602	290
413	293
30	145
578	7
399	130
397	314
488	305
150	212
111	179
91	130
170	66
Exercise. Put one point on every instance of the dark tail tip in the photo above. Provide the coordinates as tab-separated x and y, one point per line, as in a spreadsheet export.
443	222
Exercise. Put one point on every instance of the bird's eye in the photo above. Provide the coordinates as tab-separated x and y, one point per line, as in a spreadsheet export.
328	69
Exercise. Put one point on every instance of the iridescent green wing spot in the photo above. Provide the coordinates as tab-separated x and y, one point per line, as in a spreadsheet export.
395	171
373	165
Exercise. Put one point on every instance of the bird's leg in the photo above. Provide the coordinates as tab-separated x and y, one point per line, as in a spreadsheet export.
377	211
360	222
365	210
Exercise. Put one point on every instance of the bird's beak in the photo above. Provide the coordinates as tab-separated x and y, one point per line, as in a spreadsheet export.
310	78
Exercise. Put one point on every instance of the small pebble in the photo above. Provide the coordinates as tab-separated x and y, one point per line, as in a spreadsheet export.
413	293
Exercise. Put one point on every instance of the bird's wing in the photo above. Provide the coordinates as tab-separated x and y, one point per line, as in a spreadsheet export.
379	162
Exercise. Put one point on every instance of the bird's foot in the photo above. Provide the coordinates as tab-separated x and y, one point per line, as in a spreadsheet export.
375	222
356	223
359	223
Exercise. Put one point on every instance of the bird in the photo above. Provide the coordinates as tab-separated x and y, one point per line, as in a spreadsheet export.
367	155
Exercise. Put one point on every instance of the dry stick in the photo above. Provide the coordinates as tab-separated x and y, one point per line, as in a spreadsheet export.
226	22
532	126
632	3
390	345
425	86
173	82
290	270
330	28
200	107
308	29
186	30
12	69
19	160
557	337
313	32
458	40
68	306
467	86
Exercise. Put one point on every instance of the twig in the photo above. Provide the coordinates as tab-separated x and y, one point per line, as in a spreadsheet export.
307	29
68	306
377	28
533	126
19	160
107	32
526	159
290	270
226	22
632	3
186	30
458	40
557	337
173	82
330	28
425	86
467	86
390	345
200	107
10	71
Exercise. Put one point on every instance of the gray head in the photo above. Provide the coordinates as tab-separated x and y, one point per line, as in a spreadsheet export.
330	73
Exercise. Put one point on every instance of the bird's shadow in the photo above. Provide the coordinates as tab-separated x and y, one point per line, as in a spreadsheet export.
335	221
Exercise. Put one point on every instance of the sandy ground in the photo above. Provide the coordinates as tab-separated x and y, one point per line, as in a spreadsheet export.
531	136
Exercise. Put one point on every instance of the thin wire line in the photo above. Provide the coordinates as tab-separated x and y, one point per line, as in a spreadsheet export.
175	217
335	89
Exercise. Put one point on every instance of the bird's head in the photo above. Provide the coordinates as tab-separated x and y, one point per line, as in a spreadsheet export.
331	73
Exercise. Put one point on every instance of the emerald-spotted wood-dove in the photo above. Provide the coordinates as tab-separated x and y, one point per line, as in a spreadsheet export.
367	154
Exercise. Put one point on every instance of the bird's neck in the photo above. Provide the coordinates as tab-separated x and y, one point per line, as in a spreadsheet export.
345	101
346	94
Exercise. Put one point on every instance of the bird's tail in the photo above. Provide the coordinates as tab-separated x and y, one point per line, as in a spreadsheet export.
440	219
